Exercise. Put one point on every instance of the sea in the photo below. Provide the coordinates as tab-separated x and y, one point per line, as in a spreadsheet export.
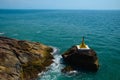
62	29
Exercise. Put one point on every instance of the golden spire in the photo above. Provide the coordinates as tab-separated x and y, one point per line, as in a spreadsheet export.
83	45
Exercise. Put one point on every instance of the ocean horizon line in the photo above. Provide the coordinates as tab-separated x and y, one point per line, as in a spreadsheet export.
65	9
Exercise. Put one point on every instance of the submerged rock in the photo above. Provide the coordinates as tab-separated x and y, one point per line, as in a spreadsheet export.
80	59
67	69
23	60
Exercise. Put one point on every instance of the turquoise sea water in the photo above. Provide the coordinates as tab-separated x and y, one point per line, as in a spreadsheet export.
64	28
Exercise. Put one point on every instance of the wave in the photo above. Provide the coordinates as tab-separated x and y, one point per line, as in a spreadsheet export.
1	33
54	69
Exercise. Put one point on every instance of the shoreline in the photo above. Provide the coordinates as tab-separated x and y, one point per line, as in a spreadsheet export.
24	58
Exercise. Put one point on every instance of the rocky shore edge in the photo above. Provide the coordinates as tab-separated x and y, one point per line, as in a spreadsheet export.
23	60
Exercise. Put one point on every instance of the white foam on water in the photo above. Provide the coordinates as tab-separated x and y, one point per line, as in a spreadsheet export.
40	74
55	50
1	33
55	68
54	71
71	73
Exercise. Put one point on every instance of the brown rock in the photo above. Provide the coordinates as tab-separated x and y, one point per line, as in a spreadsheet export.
81	59
23	60
67	69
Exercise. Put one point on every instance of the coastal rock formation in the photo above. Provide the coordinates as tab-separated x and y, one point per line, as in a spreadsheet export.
23	60
80	59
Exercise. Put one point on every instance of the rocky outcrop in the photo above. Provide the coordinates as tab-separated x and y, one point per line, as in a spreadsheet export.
23	60
80	59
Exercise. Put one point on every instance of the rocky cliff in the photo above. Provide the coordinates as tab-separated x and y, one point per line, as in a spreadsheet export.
23	60
80	59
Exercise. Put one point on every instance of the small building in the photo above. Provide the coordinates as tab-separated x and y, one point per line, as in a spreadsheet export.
83	46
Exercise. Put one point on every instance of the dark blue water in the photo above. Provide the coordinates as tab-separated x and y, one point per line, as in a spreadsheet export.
64	28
